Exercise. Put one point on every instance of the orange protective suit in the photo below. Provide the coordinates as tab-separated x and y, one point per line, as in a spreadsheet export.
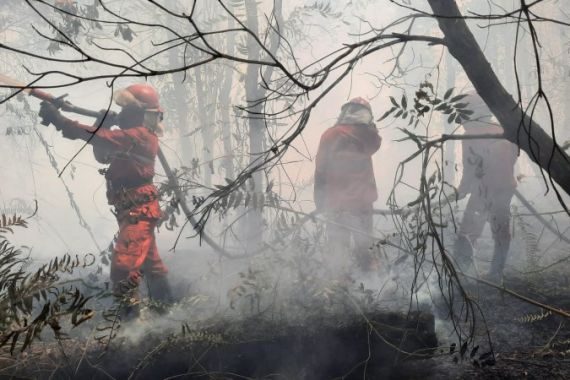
345	188
344	177
131	152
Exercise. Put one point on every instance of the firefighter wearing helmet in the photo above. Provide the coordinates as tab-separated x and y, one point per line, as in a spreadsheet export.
130	151
345	188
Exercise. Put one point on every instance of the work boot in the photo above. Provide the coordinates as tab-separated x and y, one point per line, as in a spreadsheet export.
159	291
129	312
499	260
129	305
463	252
128	299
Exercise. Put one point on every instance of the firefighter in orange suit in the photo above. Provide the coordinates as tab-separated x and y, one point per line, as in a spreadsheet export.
345	188
130	151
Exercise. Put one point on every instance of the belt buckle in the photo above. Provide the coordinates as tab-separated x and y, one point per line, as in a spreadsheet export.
133	217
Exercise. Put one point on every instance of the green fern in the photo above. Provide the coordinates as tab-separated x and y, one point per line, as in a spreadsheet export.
534	317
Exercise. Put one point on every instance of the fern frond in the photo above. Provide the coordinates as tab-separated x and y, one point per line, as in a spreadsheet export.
534	317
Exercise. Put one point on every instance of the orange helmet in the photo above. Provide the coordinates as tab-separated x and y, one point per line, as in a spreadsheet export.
359	101
141	94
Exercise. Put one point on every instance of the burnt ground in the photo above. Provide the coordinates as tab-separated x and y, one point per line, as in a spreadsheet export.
528	343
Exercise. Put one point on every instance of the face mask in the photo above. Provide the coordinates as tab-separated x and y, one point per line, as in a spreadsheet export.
152	121
359	116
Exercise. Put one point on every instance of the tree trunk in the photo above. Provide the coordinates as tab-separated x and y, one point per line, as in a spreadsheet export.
529	136
206	128
225	108
253	92
182	108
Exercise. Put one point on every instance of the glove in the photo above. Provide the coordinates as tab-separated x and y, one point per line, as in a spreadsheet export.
111	119
50	114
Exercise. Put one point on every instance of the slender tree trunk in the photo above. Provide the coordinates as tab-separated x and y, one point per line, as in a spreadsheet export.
182	124
529	136
181	104
228	161
253	92
256	124
206	128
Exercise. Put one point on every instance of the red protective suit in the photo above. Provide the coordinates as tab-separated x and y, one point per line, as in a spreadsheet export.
131	152
344	178
345	190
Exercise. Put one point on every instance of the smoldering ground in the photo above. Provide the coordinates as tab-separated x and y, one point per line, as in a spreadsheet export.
279	313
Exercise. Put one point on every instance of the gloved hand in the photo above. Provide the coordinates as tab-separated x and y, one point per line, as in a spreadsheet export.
50	114
111	119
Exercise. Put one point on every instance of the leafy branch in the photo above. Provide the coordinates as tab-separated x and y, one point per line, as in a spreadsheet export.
426	100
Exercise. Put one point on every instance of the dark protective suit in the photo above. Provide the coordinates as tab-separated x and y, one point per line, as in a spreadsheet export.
345	188
488	176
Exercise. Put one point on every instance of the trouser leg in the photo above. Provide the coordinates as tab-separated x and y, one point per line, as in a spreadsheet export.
500	218
463	251
156	273
363	250
135	252
127	295
336	257
499	260
470	230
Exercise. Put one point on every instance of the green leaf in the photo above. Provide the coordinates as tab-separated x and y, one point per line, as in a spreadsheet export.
412	137
404	102
400	112
460	105
448	93
387	113
451	117
457	97
394	102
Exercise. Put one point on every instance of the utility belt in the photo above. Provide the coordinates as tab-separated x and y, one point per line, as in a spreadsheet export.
125	198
